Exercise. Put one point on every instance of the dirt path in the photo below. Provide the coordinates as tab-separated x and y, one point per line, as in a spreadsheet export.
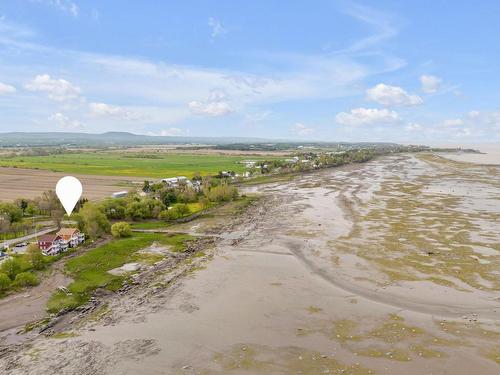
29	306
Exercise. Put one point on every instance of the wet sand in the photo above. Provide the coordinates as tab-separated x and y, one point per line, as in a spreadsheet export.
316	279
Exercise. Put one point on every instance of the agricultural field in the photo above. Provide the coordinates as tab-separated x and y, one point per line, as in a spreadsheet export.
30	183
152	165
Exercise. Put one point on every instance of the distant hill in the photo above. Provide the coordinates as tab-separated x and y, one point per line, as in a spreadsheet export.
112	139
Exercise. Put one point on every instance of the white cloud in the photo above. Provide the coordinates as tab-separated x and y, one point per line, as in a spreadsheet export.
64	122
453	122
171	132
216	28
366	116
392	96
215	106
301	129
107	110
6	89
413	127
430	84
57	89
63	5
473	114
381	23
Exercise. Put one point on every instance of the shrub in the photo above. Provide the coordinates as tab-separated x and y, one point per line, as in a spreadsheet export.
92	221
11	267
176	212
4	282
26	279
222	193
36	257
121	229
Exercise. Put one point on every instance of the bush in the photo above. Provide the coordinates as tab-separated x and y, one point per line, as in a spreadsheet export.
176	212
92	221
26	279
36	257
11	267
121	229
222	193
4	282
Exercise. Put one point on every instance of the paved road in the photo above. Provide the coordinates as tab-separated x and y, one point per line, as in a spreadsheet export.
8	243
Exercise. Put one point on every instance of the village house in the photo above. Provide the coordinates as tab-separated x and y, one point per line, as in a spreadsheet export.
249	163
174	182
52	244
72	236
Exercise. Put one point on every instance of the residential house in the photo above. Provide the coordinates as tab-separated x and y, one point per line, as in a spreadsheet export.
174	182
51	244
71	236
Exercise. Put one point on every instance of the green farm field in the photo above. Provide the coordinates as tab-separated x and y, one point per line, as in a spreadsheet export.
132	165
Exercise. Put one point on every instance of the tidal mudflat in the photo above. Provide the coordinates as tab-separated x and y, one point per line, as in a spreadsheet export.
386	267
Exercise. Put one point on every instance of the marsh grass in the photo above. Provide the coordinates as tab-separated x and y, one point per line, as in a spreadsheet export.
90	270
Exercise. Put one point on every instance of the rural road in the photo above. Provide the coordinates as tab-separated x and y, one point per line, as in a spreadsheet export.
8	243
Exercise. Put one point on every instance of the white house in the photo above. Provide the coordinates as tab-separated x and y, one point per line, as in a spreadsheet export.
176	181
72	237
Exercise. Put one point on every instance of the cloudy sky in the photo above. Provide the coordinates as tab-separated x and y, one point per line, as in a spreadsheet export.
323	70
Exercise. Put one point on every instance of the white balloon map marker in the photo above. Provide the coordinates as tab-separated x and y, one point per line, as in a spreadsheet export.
69	189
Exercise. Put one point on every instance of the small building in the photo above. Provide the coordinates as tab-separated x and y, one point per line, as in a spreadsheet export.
71	236
51	244
249	163
120	194
175	182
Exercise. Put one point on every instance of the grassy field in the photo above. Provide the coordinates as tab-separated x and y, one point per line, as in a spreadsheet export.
90	270
130	164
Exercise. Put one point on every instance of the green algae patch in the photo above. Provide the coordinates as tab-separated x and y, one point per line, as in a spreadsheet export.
314	309
64	335
493	354
394	331
417	229
287	360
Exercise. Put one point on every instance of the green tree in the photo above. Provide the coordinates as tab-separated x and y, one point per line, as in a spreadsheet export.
11	267
137	210
23	205
4	282
114	208
10	212
177	211
24	279
168	197
35	256
57	216
181	209
92	221
121	229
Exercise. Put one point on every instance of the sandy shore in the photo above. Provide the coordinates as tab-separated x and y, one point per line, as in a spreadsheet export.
388	267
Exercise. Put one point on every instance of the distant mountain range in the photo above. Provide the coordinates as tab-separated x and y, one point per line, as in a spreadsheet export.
114	139
117	139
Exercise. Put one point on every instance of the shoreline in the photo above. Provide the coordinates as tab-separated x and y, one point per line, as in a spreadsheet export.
279	284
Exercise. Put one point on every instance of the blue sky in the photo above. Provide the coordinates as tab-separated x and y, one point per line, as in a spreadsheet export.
423	71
